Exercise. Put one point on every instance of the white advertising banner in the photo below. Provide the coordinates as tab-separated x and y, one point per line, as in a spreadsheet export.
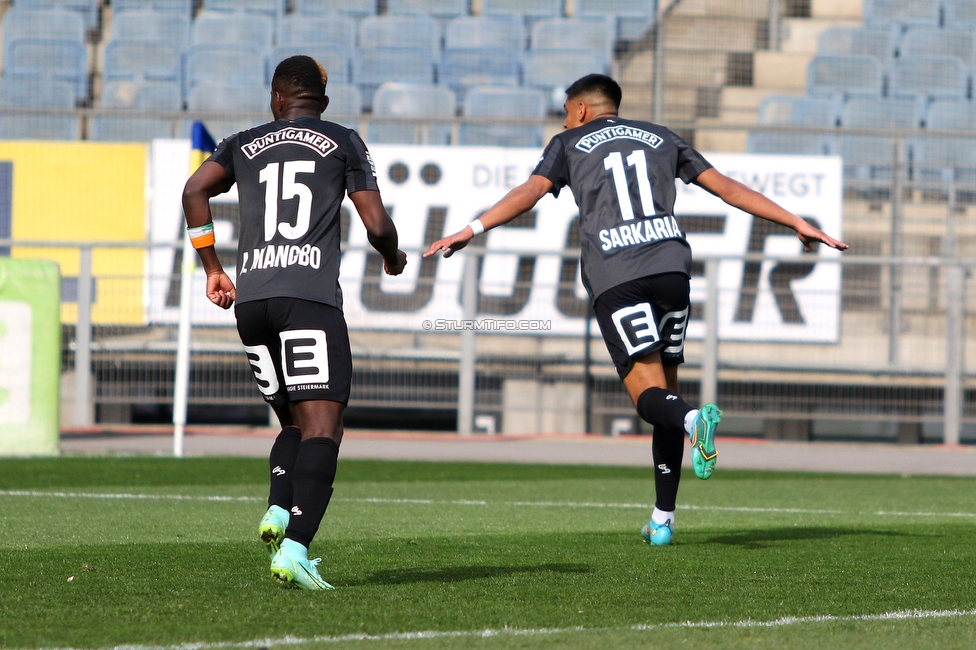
531	287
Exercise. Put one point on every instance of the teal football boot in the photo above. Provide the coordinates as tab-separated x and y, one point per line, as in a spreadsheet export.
702	435
292	568
272	528
657	534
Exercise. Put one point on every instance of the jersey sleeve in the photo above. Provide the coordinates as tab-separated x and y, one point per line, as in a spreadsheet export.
553	165
360	170
223	155
690	162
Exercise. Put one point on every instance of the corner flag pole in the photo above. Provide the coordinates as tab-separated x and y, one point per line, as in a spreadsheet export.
202	146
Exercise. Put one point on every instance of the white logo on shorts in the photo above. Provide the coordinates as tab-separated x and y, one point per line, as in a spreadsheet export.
636	327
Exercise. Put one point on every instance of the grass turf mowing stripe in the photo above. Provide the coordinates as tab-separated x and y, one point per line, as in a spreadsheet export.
785	621
471	502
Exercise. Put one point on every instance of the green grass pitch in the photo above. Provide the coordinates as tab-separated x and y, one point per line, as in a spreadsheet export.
100	552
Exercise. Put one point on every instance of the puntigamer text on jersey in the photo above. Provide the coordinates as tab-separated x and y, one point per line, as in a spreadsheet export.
618	132
291	135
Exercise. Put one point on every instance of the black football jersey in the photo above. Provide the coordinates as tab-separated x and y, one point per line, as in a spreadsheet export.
292	176
622	174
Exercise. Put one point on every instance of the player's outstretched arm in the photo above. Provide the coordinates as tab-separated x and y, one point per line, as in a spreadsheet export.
520	199
380	230
209	180
738	195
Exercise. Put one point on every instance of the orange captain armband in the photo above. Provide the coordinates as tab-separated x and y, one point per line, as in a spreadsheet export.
202	236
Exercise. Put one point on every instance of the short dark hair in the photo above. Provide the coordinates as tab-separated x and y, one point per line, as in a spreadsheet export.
597	84
301	73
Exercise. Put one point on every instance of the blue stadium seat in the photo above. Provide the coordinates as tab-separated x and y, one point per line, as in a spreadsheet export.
961	14
59	60
134	96
43	24
335	62
224	64
940	43
140	59
569	34
412	101
249	101
271	8
877	42
87	9
554	70
371	68
903	12
355	8
795	111
328	30
947	158
929	77
251	30
503	31
462	69
437	8
345	104
844	75
399	31
182	7
872	157
533	9
500	103
157	26
37	92
632	18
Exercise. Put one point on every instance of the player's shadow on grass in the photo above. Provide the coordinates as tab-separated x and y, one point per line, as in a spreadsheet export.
762	538
459	574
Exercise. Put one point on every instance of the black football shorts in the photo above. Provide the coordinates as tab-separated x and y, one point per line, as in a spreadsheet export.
644	316
298	349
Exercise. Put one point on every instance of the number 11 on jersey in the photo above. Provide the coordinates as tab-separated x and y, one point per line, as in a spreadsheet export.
638	160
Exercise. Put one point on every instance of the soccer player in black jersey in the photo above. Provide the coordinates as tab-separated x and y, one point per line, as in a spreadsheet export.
635	261
292	175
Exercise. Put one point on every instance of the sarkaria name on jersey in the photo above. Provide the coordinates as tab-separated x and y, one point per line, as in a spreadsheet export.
590	142
290	135
641	232
281	257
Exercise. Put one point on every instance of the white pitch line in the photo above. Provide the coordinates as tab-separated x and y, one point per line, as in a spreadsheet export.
473	502
785	621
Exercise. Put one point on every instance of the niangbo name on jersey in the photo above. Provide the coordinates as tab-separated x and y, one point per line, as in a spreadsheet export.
617	132
641	232
290	135
280	257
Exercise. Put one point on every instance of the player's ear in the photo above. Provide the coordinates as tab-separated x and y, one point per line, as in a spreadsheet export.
325	103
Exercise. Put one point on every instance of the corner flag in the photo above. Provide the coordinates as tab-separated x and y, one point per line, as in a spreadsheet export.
202	145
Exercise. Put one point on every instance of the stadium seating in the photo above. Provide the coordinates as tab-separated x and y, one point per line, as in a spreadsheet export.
87	9
37	92
336	63
182	7
271	8
797	111
356	8
503	31
240	29
947	158
42	24
217	64
441	9
940	43
531	9
573	34
229	99
59	60
503	104
400	32
417	101
630	19
960	14
331	31
157	26
461	69
929	78
844	75
553	70
877	42
138	59
872	157
373	67
905	12
134	96
345	103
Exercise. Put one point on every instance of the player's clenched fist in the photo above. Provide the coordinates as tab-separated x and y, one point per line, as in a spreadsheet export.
397	267
220	290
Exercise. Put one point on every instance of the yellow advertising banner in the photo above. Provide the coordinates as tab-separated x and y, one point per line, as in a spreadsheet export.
81	192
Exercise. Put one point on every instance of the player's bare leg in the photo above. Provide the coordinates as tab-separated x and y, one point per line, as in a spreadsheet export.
320	423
